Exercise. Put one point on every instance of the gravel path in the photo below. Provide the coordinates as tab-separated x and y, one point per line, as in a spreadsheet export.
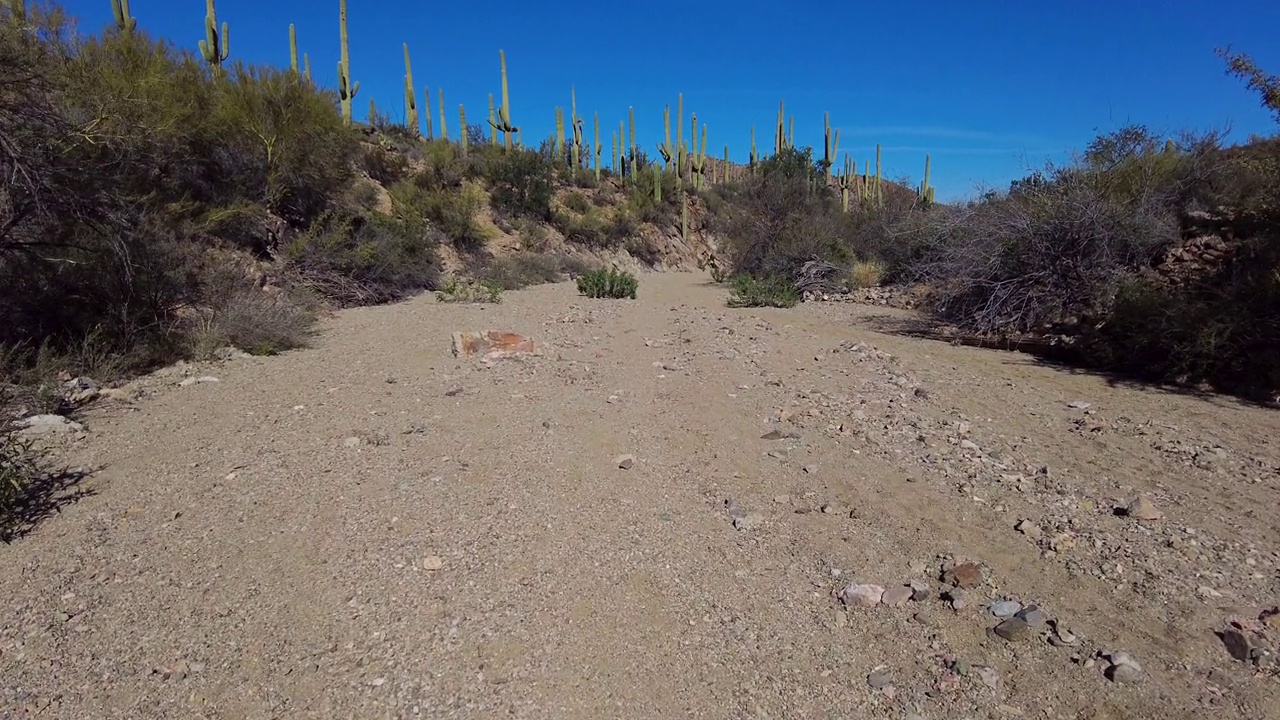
373	528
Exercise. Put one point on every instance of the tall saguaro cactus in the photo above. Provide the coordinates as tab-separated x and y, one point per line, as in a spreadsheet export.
410	96
598	146
462	121
830	145
346	89
215	47
124	23
504	113
293	48
926	190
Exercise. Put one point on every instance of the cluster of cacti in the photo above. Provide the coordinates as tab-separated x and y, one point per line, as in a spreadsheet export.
346	89
216	45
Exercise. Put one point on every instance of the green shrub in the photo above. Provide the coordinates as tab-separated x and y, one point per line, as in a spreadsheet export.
357	260
591	229
19	471
452	210
577	202
610	283
521	182
455	291
529	268
748	291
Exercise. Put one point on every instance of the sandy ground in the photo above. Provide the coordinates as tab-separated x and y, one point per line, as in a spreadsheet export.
372	528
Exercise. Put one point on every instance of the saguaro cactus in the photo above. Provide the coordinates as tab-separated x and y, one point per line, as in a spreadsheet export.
698	157
504	113
780	135
410	97
346	89
926	190
493	129
426	111
293	47
846	182
444	126
124	23
598	146
830	145
753	158
462	121
215	47
666	149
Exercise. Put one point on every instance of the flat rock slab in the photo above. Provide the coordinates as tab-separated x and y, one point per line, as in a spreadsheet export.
492	344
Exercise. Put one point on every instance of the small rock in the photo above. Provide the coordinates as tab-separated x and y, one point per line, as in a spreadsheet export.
1034	617
810	469
1207	592
879	679
864	596
1271	618
625	462
1005	608
1241	643
957	599
969	445
1079	405
897	596
188	382
750	521
779	435
433	563
1030	529
351	442
48	425
1014	629
1124	669
920	591
990	677
966	575
1144	510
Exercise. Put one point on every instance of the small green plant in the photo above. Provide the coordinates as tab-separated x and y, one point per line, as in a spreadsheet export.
610	283
749	291
18	470
718	274
455	291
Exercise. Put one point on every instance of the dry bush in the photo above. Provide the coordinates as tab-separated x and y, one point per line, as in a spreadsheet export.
866	274
523	269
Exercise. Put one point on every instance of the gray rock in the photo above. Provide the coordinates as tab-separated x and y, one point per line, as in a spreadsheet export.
1034	617
897	596
47	425
920	591
202	380
1005	608
1014	630
625	462
750	521
861	595
880	679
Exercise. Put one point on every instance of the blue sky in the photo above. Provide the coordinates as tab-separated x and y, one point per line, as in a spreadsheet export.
987	88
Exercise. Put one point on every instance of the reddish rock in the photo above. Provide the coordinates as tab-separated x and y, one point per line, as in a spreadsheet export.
492	344
966	576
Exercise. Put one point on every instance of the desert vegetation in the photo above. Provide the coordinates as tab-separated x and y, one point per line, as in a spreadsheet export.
161	202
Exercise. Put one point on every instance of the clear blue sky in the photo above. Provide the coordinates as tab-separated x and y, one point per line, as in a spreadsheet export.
988	88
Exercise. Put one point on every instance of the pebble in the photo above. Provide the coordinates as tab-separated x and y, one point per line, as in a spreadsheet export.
897	596
1142	509
864	596
965	575
1030	529
750	521
920	591
1005	608
1124	669
433	563
625	462
1034	617
879	679
1014	629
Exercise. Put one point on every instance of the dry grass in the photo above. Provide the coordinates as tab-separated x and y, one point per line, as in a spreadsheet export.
865	274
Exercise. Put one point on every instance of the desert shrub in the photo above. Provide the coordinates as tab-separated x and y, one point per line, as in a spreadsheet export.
444	166
234	311
1055	248
521	182
577	202
866	273
19	470
523	269
383	165
452	210
786	216
608	283
591	229
456	291
358	260
749	291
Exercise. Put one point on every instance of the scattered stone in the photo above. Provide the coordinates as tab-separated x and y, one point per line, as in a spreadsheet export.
1062	637
749	521
960	667
1079	405
810	469
47	425
1005	608
454	392
920	591
969	445
1123	669
351	442
625	462
1033	616
1271	618
204	379
879	679
1142	509
864	596
897	596
1207	592
956	598
1014	629
990	677
966	575
1244	642
779	435
433	563
1030	529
